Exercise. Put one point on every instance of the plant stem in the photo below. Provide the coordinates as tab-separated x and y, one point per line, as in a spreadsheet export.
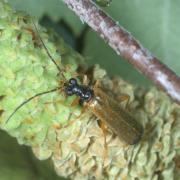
127	46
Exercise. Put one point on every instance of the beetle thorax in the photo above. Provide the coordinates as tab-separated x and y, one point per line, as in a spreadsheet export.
85	93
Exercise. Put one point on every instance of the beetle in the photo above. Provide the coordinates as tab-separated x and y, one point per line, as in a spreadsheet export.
96	100
107	110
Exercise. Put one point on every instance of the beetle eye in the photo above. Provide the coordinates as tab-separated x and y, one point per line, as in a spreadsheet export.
69	91
72	81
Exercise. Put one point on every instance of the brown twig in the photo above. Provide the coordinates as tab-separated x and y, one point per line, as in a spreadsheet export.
127	46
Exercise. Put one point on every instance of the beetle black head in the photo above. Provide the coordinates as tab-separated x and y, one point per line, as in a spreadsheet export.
70	86
83	92
72	81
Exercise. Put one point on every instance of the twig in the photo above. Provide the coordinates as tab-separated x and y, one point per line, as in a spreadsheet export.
127	46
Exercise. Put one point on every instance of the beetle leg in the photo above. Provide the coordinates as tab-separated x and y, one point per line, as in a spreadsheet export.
97	84
85	80
75	102
123	98
1	111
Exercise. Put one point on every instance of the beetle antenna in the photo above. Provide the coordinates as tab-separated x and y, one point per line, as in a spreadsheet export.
28	100
47	51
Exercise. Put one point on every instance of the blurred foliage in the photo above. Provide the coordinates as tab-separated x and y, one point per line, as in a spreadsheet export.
55	9
103	3
154	23
18	162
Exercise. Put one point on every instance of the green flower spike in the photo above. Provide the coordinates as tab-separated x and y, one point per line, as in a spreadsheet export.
49	123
